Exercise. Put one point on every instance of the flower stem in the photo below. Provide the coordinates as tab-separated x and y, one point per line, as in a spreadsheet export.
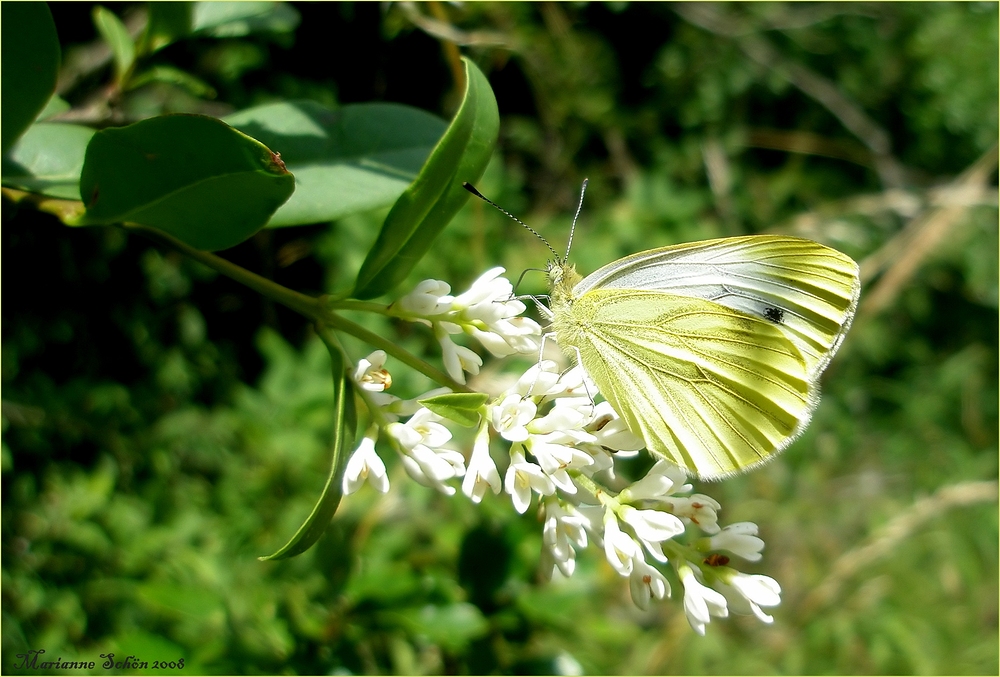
601	493
356	330
351	304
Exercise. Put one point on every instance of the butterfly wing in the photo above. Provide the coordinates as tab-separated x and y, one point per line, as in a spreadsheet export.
807	288
712	389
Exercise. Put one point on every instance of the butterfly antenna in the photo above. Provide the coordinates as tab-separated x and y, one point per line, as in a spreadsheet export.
572	229
472	189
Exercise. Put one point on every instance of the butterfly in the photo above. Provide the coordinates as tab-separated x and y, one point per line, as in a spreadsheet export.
710	351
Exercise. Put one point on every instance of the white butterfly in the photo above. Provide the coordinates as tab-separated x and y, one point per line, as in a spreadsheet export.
710	351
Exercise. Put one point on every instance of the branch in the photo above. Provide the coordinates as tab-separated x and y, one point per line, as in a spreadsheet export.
67	211
443	30
808	143
850	114
890	536
901	256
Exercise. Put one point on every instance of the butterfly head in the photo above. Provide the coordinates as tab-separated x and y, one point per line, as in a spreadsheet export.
562	278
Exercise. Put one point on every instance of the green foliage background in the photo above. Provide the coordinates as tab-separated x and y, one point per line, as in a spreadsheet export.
163	426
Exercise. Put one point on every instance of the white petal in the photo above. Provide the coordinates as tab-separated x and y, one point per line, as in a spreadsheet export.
449	355
739	539
652	525
700	602
493	342
646	583
519	489
482	473
619	548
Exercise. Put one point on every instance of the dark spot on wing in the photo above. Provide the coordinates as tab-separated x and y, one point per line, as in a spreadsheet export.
776	315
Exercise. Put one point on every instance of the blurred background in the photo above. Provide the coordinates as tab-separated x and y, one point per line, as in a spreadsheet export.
163	426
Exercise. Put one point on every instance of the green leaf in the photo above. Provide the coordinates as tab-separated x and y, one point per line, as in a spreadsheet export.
30	58
116	35
344	428
462	408
356	158
54	106
192	176
236	19
180	600
167	22
436	195
173	76
48	159
451	626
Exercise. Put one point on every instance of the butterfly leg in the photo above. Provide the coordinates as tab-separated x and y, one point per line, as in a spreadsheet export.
586	385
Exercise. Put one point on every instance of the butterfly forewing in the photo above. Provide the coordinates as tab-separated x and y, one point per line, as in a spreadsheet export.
808	289
712	389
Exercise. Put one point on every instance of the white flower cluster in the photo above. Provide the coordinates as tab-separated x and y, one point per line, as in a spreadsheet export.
562	448
420	441
488	312
572	434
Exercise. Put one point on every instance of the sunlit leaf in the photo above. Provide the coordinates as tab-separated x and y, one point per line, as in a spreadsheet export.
192	176
235	19
48	159
462	408
356	158
436	195
116	35
55	105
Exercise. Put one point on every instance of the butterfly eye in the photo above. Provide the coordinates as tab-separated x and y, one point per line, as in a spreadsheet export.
776	315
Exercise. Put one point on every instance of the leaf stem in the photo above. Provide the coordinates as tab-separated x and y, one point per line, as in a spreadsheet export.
312	307
316	308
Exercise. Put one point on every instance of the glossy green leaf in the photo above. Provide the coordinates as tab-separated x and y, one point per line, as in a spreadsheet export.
192	176
116	35
168	21
235	19
356	158
29	49
344	428
48	159
462	408
436	195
